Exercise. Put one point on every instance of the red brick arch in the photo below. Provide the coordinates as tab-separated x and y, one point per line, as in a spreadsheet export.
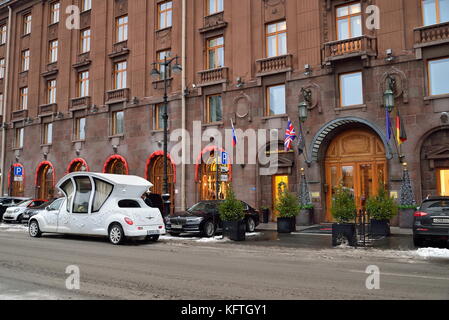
81	160
116	157
158	154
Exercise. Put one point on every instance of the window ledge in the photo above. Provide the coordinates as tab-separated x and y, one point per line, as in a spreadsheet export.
46	145
17	149
354	107
164	29
276	116
436	97
77	141
116	136
212	124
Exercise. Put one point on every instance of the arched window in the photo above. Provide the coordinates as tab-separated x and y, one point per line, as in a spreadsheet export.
116	165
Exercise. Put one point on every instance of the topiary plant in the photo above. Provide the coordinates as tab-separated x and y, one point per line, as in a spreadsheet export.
231	209
343	205
288	205
382	206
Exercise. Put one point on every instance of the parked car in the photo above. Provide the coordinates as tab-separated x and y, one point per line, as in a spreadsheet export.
14	214
7	202
55	204
204	218
97	204
431	220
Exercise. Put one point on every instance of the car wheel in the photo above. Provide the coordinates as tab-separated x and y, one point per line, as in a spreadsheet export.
34	229
19	219
418	241
116	234
208	229
250	225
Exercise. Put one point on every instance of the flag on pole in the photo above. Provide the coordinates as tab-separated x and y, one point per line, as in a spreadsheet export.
301	142
401	135
290	136
388	125
234	136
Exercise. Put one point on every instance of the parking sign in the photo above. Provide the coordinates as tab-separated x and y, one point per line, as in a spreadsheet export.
18	171
224	158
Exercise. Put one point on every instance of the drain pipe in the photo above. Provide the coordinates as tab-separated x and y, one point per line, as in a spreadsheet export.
5	99
183	107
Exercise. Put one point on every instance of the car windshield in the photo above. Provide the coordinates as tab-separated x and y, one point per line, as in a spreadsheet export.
435	204
24	203
203	207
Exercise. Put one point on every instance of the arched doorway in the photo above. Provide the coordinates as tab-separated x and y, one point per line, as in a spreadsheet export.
206	175
45	181
16	180
357	159
116	165
155	174
77	165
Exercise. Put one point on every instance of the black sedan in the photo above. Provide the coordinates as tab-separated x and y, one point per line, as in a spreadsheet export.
431	221
204	218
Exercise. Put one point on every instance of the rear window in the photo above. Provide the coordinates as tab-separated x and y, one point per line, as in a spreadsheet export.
434	204
128	204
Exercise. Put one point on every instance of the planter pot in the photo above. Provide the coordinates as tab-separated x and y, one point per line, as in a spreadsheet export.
406	218
380	228
265	215
344	233
234	230
286	225
305	218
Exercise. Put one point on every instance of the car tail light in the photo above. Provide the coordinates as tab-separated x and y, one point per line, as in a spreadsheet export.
129	221
419	214
160	227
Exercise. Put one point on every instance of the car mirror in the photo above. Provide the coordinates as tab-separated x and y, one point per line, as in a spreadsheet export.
47	208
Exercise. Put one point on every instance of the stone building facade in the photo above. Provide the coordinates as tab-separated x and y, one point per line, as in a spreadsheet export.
94	106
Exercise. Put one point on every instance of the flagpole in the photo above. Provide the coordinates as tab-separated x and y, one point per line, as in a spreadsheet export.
395	140
305	153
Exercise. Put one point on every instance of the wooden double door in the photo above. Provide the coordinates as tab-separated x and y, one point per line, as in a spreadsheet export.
356	159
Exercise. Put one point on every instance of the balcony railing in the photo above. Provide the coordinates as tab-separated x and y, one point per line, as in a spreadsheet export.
19	114
80	103
213	75
48	109
353	47
274	64
432	35
117	95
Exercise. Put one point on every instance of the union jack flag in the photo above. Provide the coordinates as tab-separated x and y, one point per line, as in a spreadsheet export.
290	136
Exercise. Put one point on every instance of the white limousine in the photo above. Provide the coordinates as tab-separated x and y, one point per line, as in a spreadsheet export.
98	204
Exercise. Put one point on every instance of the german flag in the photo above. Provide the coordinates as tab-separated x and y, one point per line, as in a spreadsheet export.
401	135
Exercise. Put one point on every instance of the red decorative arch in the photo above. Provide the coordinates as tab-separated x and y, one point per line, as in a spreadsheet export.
198	161
116	157
76	161
15	165
158	154
44	163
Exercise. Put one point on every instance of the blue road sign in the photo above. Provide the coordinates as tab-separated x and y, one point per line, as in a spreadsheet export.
18	171
224	158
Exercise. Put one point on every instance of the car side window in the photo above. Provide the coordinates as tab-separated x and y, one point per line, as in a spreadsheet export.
128	204
102	192
55	205
82	195
68	189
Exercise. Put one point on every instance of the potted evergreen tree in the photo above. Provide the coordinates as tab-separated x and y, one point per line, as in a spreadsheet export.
288	208
381	209
232	214
344	211
407	203
305	217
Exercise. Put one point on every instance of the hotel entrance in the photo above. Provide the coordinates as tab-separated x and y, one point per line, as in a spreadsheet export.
356	159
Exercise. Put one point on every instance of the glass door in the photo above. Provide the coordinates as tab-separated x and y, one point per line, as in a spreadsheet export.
280	184
443	182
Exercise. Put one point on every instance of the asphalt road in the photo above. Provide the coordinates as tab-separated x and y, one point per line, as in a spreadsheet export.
35	269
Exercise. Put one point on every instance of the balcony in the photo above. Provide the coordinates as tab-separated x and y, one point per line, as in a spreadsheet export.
213	76
363	47
48	109
19	115
118	95
119	49
273	65
432	35
80	103
83	60
214	22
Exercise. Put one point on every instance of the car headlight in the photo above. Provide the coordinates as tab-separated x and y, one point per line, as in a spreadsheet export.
194	220
17	210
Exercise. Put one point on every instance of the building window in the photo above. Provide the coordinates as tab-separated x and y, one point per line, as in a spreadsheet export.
120	75
122	29
3	34
53	51
276	38
435	11
47	134
118	118
349	21
27	24
215	53
165	14
83	84
51	92
158	117
351	89
85	41
23	101
25	60
86	5
161	55
214	6
18	138
2	68
80	129
438	71
276	100
54	15
214	109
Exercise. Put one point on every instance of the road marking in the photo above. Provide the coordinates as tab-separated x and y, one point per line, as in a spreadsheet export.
404	275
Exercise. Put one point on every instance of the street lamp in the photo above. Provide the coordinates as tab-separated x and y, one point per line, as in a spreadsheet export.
156	73
389	94
304	105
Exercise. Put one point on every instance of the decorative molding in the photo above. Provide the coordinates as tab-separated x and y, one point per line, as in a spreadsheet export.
401	87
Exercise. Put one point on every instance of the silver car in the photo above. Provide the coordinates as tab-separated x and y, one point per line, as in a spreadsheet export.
14	214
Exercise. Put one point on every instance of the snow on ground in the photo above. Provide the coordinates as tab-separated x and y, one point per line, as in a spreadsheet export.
13	227
433	253
194	239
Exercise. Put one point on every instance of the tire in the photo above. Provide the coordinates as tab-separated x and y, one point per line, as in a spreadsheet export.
116	234
152	238
34	230
418	241
208	229
250	225
19	219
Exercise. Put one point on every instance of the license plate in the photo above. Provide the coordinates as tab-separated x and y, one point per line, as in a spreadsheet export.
442	221
176	226
153	232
